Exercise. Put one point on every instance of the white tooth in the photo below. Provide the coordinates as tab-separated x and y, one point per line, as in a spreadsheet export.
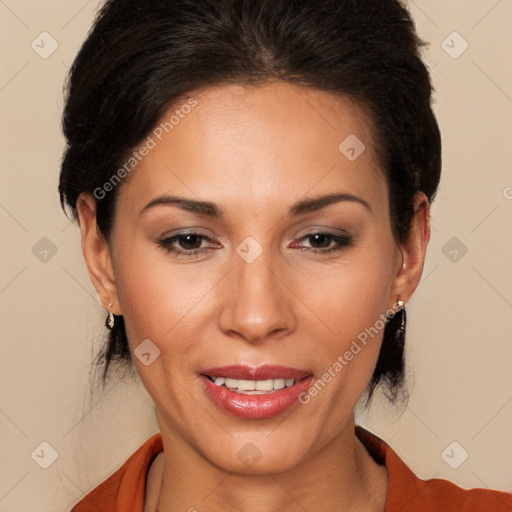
264	385
219	381
246	385
289	382
230	383
278	383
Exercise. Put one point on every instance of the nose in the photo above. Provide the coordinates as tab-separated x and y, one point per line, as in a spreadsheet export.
258	303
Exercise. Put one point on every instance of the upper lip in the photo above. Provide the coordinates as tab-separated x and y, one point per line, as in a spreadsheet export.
263	372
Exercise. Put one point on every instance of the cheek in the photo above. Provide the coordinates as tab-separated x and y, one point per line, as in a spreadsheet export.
161	300
351	305
350	296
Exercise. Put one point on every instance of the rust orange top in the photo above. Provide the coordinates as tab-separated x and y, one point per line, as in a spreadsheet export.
124	490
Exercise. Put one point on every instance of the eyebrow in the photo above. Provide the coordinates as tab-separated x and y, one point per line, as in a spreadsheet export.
212	210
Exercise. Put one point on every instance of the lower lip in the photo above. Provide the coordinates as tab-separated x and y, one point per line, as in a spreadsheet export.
255	406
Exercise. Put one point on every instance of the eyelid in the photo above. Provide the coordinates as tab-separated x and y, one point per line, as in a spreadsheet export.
188	231
309	232
325	230
340	241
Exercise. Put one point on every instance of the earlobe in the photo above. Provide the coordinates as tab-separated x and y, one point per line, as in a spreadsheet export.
413	251
96	254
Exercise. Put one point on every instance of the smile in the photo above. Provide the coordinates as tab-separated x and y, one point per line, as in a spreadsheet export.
270	391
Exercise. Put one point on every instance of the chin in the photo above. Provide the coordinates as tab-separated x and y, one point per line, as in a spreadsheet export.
256	455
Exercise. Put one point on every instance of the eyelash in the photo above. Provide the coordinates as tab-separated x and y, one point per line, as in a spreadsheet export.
342	241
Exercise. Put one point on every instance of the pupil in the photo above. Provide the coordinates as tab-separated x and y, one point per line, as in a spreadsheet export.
320	239
190	242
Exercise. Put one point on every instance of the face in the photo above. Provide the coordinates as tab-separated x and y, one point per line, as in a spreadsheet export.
249	271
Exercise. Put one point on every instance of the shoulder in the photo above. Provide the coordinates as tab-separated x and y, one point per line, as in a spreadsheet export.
408	493
124	489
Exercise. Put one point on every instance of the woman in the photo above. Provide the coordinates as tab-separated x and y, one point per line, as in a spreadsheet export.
252	180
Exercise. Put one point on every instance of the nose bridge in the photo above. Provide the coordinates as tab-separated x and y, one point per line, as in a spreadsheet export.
257	305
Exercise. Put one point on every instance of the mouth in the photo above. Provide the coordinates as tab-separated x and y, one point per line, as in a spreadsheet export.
255	392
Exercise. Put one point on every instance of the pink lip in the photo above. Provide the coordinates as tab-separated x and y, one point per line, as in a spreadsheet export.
256	372
256	406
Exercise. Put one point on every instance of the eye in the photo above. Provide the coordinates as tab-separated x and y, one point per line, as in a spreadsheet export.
190	245
325	242
186	245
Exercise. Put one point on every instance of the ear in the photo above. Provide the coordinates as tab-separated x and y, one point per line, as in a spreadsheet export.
96	253
413	251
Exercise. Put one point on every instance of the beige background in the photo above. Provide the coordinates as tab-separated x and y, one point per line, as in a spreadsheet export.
459	344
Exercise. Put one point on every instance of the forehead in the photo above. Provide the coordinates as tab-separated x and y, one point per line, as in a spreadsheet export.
258	142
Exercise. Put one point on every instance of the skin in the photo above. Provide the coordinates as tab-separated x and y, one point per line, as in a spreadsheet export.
255	151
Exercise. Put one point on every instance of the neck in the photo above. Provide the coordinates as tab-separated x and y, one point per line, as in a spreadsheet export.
340	476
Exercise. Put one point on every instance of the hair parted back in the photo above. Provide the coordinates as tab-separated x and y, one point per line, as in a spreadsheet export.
141	56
